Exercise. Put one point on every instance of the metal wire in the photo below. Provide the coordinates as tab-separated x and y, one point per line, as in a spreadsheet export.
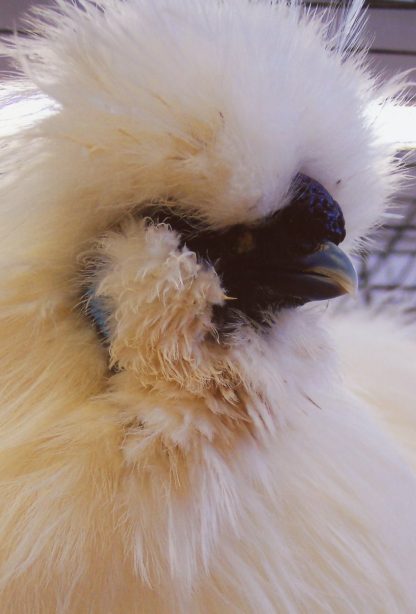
387	271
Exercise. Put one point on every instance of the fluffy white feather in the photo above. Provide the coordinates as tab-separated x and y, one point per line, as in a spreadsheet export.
201	477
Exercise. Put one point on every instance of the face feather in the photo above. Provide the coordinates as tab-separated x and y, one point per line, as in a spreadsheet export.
245	181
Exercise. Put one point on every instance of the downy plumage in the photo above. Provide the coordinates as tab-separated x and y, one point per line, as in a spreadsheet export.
150	462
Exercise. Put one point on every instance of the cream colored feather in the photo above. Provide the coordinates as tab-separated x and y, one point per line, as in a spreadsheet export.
167	471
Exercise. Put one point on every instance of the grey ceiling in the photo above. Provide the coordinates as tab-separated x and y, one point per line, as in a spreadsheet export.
11	10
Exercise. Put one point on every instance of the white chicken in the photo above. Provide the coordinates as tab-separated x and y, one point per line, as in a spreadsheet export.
183	428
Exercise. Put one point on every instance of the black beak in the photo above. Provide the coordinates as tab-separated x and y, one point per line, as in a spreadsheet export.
323	274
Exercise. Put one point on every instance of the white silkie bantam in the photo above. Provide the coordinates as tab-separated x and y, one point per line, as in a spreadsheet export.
181	429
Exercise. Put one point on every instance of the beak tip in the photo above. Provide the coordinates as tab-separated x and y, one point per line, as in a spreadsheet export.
350	284
336	268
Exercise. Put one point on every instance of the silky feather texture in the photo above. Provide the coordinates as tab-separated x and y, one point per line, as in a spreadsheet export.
198	476
385	384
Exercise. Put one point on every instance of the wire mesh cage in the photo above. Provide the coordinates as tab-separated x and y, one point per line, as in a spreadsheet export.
387	271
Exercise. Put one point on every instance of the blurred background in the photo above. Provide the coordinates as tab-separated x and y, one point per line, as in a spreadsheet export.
388	270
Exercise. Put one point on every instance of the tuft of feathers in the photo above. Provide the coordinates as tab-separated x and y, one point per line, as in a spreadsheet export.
168	471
